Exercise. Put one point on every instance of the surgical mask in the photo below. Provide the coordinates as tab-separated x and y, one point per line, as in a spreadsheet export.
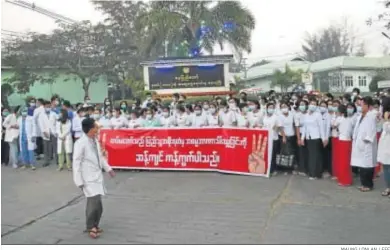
312	108
96	116
232	105
244	109
270	111
149	117
148	98
198	112
331	109
108	115
114	113
359	109
354	94
323	110
5	113
284	110
32	104
165	114
294	97
206	107
212	110
47	110
108	103
350	111
24	113
252	107
302	108
123	106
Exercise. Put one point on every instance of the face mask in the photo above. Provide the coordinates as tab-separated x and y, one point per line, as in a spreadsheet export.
284	110
96	116
108	115
149	117
148	98
24	113
212	110
323	110
114	113
331	109
252	107
270	111
47	110
219	101
123	106
108	103
302	108
232	105
198	112
294	97
165	114
359	109
350	111
354	94
206	107
5	113
32	104
312	108
245	109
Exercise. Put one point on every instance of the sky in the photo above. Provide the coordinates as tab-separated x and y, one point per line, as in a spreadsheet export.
281	25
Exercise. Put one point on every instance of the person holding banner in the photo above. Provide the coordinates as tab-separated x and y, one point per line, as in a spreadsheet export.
166	120
199	120
118	121
228	114
272	123
134	121
182	119
151	121
255	115
88	163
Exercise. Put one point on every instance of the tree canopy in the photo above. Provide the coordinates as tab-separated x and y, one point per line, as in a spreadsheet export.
286	78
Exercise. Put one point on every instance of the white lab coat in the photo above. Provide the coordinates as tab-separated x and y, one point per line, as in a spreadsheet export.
66	136
37	113
76	126
105	122
53	117
44	125
30	132
10	133
87	167
364	143
384	145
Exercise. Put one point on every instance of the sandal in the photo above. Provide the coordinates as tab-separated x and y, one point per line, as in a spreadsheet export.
365	189
386	192
93	233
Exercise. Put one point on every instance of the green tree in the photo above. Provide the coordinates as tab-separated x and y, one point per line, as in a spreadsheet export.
177	23
286	78
6	90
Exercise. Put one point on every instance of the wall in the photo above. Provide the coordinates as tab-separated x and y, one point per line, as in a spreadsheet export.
69	90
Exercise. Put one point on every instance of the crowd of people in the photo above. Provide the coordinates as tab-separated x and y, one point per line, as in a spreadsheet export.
324	135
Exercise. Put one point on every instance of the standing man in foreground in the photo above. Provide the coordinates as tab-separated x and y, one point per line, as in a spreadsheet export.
88	166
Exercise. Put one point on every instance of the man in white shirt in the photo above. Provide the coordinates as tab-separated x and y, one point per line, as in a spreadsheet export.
76	123
88	166
37	111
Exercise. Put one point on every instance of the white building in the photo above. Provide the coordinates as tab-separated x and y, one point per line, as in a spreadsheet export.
338	74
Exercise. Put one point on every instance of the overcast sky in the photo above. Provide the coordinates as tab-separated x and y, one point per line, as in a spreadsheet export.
280	24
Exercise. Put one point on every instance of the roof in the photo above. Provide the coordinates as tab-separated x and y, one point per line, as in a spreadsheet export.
295	63
341	62
350	62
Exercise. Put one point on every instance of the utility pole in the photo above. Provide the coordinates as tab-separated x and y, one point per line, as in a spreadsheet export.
244	65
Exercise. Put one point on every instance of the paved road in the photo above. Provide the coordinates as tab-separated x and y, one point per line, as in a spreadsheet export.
43	207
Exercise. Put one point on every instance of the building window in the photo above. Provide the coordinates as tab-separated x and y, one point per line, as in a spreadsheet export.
336	81
348	81
362	81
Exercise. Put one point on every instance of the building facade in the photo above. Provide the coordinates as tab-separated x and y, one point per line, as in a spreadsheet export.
69	88
338	74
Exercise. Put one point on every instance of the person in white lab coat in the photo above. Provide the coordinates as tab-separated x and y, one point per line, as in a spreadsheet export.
182	118
242	118
118	121
76	123
53	117
45	129
364	145
27	135
228	113
384	144
166	120
313	135
302	149
39	109
287	134
255	114
198	120
105	120
64	140
11	135
134	121
213	117
88	166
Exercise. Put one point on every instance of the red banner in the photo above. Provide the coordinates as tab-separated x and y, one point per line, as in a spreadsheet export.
231	150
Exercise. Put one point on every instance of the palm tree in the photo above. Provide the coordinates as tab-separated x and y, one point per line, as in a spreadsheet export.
286	78
179	23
